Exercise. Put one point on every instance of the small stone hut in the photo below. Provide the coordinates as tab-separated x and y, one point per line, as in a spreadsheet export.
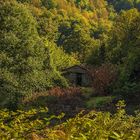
78	76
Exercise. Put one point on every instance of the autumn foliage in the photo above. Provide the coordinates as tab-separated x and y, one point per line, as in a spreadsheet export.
104	76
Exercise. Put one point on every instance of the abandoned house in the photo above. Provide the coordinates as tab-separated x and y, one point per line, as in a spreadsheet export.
78	76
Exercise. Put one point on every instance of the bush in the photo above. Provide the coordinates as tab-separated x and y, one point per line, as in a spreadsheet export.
56	92
65	92
94	125
98	125
58	100
20	124
21	52
104	76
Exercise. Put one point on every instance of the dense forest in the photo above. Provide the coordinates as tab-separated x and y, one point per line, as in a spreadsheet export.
41	38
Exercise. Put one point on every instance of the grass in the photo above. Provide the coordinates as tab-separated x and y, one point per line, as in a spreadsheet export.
96	102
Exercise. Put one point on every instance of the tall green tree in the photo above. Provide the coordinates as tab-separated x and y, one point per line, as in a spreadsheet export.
75	38
21	51
123	36
59	59
124	50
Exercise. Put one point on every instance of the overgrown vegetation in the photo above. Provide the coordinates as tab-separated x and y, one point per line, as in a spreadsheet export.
41	38
94	125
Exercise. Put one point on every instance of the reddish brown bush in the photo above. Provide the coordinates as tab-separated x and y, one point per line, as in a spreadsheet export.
57	100
33	97
57	92
65	93
104	76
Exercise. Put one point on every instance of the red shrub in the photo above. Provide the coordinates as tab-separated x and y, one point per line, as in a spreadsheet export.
65	93
104	76
59	93
57	100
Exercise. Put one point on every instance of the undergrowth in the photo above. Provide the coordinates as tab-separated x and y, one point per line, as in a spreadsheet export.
32	124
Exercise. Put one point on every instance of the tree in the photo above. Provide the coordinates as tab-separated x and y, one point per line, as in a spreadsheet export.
123	36
48	25
125	4
59	59
97	56
124	50
21	51
49	3
55	61
75	38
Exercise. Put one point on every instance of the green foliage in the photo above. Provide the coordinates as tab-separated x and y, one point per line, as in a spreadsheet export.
87	92
21	51
59	59
54	78
27	64
94	125
72	24
48	23
124	36
21	124
98	125
124	51
50	4
75	38
76	31
97	57
96	102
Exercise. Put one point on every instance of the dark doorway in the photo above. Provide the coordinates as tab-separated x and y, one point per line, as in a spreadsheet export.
79	79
